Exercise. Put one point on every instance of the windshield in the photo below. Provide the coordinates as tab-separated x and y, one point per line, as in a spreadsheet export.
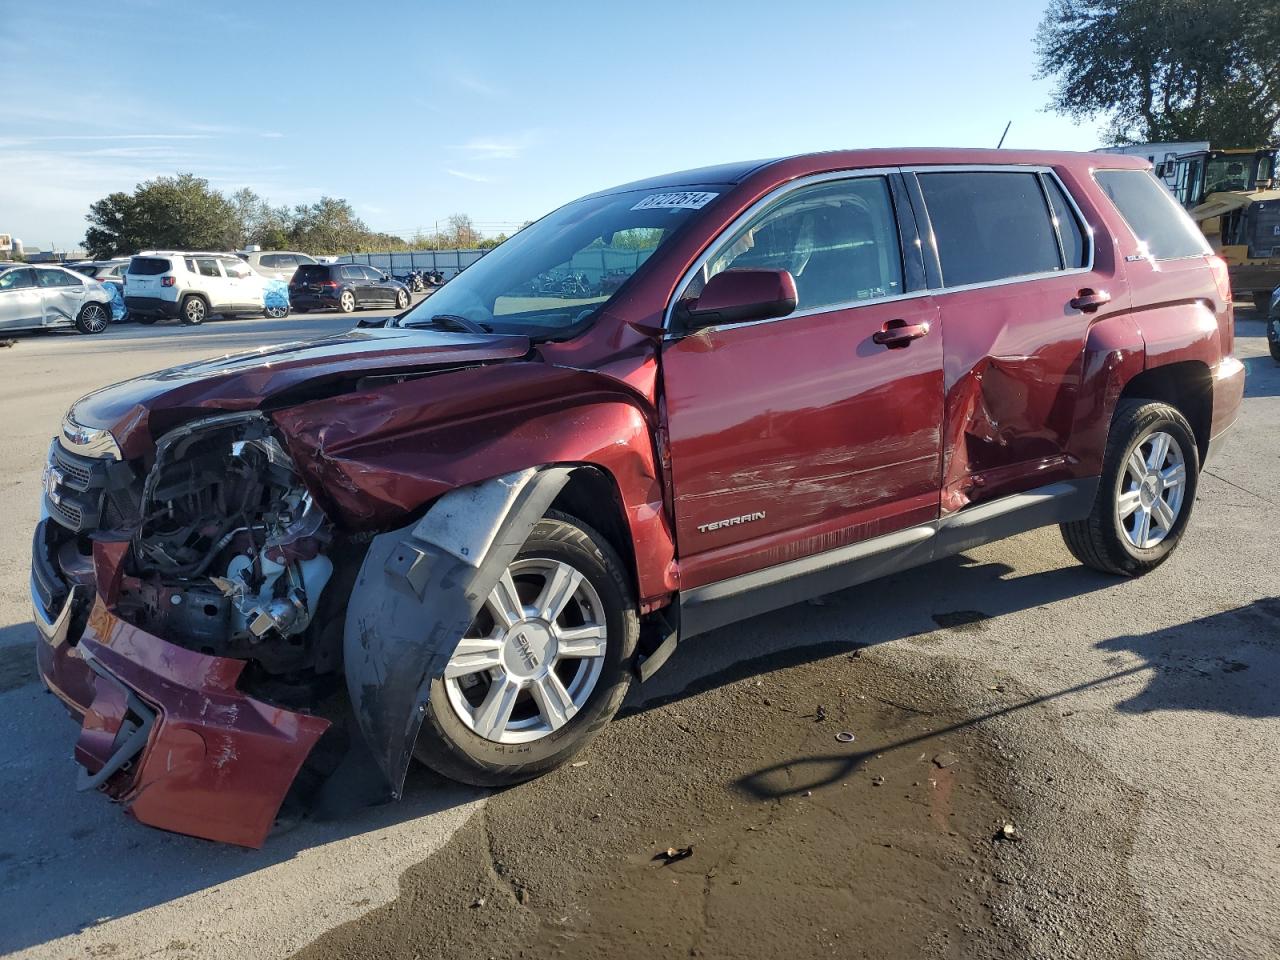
1227	173
551	277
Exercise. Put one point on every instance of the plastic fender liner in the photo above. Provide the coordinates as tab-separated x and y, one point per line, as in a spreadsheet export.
417	592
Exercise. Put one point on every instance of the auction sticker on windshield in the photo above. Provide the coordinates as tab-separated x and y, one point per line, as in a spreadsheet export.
675	201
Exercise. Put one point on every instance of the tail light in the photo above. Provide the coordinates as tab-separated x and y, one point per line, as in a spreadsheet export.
1221	277
168	281
1226	318
331	284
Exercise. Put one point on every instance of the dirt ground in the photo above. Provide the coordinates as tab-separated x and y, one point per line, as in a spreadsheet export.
802	845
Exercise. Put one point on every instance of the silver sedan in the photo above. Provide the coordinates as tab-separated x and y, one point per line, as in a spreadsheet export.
36	297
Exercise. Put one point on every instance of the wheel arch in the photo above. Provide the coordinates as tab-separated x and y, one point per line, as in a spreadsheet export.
1187	386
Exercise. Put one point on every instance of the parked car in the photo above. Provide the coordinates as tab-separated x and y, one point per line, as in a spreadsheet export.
104	271
193	286
1273	325
277	264
111	273
489	515
346	287
39	297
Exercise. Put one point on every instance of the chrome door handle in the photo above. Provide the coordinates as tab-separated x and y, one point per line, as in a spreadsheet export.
896	334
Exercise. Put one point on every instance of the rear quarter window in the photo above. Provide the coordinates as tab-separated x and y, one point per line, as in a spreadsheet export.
148	266
1161	226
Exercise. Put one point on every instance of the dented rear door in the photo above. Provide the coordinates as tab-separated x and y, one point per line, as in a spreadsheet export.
1020	284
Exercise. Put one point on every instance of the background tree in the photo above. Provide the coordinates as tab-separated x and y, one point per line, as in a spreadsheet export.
1166	69
179	212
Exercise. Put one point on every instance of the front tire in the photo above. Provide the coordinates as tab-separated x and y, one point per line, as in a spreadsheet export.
194	311
544	666
1145	495
1273	337
347	302
276	313
93	318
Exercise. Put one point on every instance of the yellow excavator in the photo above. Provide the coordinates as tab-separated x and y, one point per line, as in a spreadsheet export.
1233	197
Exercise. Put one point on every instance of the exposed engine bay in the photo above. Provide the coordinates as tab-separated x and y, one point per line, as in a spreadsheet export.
231	555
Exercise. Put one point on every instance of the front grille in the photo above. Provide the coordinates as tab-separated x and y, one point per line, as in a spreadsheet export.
67	514
77	470
73	488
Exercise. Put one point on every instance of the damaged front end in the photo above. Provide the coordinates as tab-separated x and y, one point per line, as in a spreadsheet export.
207	623
182	611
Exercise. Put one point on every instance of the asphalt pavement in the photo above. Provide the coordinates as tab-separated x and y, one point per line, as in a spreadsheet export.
1155	700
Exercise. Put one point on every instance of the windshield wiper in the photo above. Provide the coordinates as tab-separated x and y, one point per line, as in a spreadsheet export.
449	321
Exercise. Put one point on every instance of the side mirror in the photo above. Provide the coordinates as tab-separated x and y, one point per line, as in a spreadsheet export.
740	296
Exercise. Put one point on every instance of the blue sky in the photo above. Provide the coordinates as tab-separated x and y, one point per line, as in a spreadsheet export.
414	111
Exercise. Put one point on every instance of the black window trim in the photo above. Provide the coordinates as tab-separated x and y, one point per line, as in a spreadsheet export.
904	215
940	286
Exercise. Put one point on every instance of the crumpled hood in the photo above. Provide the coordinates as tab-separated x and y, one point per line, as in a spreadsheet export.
139	409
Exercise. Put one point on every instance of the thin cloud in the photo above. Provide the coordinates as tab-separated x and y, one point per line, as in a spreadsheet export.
496	148
476	85
465	175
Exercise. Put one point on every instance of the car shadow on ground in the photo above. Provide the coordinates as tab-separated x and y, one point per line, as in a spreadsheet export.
1226	663
69	860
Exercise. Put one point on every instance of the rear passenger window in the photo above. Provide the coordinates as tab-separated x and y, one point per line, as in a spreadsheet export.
1163	227
990	226
1075	249
839	241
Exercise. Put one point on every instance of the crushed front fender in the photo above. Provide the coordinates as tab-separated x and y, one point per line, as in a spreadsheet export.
417	592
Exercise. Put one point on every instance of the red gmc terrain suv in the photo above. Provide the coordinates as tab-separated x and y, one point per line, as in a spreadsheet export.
662	408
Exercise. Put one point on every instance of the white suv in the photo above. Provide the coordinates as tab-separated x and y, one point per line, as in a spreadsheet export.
279	264
195	285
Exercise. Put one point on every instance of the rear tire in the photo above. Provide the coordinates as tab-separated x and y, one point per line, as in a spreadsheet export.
93	318
1113	538
347	302
1273	337
194	311
402	299
451	745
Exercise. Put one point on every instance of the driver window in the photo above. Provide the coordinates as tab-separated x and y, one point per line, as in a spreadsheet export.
236	269
838	240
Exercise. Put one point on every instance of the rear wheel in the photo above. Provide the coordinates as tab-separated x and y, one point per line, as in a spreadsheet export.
93	318
1273	337
347	302
194	311
402	299
1145	495
542	668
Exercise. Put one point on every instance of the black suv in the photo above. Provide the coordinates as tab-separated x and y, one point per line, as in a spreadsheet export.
346	286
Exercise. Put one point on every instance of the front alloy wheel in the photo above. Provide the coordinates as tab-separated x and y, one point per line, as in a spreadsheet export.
542	667
532	657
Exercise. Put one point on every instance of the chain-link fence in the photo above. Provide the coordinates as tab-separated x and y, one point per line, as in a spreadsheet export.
448	263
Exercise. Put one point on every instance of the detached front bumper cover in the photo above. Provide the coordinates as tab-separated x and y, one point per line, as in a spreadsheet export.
166	733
